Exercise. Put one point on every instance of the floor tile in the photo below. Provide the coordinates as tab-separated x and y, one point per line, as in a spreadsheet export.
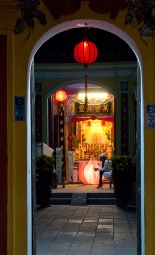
86	230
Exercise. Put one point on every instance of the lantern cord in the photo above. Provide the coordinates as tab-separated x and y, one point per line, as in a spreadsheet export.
85	31
86	98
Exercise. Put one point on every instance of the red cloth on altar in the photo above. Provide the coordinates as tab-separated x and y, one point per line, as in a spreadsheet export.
78	119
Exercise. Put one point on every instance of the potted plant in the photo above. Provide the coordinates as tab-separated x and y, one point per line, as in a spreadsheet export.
122	167
45	178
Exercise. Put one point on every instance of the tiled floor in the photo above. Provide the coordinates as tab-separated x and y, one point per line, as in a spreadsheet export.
86	230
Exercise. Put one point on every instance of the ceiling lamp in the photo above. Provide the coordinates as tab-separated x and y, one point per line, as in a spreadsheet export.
85	53
61	96
95	98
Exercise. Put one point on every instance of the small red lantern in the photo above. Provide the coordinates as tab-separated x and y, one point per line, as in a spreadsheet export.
61	96
85	52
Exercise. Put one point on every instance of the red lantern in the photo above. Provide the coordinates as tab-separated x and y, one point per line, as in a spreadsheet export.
61	96
85	52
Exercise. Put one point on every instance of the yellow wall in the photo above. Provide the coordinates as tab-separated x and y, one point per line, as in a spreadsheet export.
19	50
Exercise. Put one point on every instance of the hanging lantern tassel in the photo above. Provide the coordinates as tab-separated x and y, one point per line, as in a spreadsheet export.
86	96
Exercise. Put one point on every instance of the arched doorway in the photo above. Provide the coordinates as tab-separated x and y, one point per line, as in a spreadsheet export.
113	29
88	131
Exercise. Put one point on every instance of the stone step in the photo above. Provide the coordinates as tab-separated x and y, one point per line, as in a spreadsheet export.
101	195
101	199
60	198
79	199
83	198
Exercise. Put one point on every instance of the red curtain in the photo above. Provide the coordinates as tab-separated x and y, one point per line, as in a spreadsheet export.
77	119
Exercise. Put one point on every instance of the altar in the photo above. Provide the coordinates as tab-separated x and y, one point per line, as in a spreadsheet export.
91	138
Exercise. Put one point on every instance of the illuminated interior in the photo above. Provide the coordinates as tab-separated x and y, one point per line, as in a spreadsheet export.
92	138
90	132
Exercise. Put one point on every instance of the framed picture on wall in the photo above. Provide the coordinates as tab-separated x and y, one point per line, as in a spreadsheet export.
124	85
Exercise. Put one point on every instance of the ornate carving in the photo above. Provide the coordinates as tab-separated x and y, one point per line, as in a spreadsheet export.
29	11
140	12
62	7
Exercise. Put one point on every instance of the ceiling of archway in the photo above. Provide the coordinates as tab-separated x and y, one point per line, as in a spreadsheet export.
59	49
